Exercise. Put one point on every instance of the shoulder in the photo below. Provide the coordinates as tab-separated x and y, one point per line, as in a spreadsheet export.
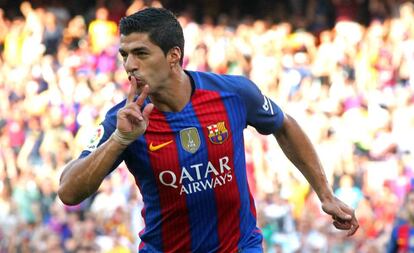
220	82
110	116
114	109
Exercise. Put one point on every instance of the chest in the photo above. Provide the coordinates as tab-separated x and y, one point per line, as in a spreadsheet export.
191	137
207	132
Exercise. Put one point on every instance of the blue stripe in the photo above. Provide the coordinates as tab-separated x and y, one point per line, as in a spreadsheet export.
138	156
236	114
203	230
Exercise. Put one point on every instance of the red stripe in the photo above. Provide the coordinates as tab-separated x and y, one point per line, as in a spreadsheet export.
227	195
176	236
403	237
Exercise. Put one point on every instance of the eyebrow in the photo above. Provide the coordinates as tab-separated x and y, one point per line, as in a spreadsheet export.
134	50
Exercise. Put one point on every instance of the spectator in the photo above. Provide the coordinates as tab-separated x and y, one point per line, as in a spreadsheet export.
342	100
101	31
402	231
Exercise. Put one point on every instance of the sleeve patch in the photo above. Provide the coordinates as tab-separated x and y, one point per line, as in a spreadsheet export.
267	105
95	139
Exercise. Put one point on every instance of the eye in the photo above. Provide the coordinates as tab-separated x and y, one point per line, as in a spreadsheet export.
141	53
124	55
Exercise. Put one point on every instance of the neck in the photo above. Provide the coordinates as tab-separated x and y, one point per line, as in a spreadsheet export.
175	95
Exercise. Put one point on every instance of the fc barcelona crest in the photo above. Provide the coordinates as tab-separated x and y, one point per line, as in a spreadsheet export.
190	140
217	133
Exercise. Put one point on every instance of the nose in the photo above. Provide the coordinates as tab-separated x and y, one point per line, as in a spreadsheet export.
130	64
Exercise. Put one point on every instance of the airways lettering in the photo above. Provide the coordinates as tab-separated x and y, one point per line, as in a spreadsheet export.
206	177
206	184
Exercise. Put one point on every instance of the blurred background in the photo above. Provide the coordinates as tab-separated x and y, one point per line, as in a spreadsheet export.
342	68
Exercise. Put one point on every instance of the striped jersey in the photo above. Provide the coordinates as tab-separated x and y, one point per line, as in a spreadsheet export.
190	166
402	239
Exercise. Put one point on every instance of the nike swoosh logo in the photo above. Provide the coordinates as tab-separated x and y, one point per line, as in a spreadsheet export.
159	146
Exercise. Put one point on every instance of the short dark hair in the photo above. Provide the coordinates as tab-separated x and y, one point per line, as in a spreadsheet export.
162	27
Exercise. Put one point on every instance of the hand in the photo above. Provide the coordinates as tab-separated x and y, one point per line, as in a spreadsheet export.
131	121
343	216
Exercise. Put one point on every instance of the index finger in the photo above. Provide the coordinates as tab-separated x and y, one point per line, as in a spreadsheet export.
354	226
132	90
345	213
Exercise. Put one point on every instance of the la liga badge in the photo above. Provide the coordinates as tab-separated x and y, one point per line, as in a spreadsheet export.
96	138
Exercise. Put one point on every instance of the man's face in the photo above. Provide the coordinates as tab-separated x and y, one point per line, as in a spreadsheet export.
144	60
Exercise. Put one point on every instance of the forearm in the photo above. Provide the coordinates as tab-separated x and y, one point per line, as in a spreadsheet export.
81	178
300	151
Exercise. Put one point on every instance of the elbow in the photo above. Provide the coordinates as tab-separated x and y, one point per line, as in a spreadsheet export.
67	196
67	191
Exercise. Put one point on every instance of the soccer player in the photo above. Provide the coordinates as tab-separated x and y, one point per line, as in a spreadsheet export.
403	232
181	137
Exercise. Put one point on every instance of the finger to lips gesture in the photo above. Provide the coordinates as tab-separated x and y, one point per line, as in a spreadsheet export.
131	120
343	216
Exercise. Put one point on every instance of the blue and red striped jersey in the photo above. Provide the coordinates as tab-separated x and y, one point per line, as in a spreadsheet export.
190	167
402	239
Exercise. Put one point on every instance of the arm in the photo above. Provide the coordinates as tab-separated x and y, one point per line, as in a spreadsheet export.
82	177
299	149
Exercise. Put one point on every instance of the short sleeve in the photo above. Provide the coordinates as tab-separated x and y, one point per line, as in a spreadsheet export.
102	133
262	113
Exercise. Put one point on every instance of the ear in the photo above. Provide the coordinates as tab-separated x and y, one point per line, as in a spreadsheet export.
174	56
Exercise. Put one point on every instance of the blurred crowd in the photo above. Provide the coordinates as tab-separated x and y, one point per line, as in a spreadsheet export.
350	86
